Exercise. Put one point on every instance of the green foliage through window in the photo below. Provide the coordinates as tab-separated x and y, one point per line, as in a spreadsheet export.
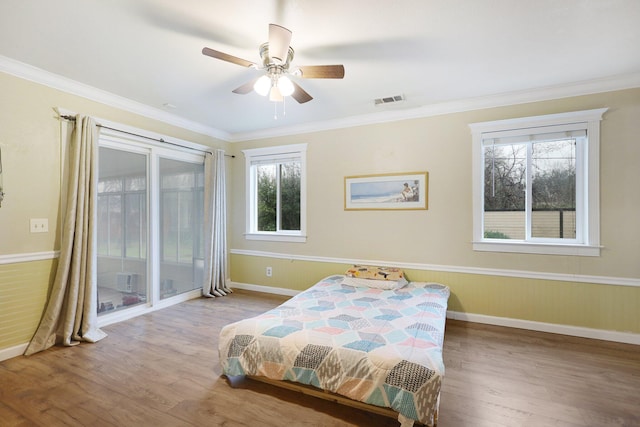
278	196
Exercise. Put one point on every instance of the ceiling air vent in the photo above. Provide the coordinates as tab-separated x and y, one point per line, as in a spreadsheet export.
388	100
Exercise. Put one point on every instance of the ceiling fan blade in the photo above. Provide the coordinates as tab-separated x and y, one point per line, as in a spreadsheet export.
246	88
300	94
226	57
279	40
322	71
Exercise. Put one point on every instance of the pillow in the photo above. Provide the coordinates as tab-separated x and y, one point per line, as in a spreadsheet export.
375	273
374	284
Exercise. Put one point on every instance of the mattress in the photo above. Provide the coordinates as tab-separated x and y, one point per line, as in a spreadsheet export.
382	347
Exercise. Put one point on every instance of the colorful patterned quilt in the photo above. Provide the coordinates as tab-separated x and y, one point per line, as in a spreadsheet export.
381	347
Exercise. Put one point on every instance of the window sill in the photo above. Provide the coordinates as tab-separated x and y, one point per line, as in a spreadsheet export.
537	248
273	237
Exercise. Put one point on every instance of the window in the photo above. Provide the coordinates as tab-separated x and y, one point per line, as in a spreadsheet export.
276	197
536	184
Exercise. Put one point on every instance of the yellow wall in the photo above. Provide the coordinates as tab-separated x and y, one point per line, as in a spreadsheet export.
441	236
588	305
31	146
23	293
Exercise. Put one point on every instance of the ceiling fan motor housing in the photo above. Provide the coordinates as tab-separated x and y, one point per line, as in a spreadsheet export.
267	61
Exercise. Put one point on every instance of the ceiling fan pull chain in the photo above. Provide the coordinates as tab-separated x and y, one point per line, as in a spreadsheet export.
275	111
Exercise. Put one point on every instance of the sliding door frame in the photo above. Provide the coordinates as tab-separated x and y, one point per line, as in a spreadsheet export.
153	151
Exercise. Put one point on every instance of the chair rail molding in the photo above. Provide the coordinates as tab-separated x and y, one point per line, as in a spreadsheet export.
28	257
539	275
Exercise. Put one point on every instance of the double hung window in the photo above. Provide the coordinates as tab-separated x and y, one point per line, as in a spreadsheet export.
536	184
276	198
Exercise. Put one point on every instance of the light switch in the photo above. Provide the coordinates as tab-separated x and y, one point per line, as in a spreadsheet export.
39	225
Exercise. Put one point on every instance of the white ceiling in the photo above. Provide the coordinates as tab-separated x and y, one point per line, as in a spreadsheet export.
432	51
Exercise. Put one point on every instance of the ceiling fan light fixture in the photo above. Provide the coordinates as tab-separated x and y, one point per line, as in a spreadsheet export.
285	86
275	95
262	85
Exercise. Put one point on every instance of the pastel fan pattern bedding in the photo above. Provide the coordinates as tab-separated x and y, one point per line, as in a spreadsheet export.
382	347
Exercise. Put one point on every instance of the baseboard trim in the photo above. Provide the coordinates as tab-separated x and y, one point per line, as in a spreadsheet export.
264	289
11	352
554	328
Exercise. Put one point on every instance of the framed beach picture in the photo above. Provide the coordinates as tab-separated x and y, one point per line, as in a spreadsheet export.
387	191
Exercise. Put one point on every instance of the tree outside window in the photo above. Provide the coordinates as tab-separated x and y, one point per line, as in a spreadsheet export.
553	189
275	202
536	184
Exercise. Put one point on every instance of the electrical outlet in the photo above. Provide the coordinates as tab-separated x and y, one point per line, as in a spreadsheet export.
39	225
269	272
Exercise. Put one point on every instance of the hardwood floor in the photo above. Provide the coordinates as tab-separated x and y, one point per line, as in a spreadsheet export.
162	369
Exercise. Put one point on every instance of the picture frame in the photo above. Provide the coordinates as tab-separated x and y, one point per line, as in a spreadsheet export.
392	191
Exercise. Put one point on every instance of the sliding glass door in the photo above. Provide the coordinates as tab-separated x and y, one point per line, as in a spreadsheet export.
122	230
150	225
181	226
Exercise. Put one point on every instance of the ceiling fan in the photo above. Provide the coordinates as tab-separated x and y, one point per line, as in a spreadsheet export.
276	56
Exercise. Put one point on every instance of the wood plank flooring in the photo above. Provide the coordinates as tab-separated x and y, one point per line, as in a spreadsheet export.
162	369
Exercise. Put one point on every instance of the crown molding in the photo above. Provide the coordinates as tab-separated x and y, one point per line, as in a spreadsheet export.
55	81
588	87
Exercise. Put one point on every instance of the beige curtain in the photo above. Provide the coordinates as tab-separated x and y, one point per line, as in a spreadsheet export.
216	259
71	312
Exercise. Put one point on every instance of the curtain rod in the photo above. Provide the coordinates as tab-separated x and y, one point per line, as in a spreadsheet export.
164	141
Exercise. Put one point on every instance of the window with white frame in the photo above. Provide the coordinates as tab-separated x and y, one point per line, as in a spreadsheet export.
276	195
536	184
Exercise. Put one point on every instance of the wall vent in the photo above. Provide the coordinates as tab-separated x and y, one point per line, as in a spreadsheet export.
389	99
